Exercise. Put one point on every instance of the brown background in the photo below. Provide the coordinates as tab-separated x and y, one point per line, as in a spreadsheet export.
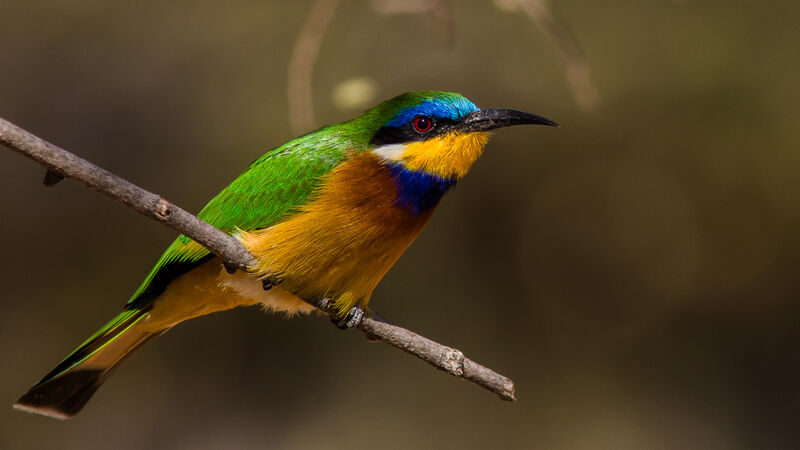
635	272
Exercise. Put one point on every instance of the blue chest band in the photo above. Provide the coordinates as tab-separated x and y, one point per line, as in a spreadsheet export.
418	191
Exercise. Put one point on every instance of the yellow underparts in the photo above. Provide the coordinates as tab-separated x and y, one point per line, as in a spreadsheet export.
341	243
448	156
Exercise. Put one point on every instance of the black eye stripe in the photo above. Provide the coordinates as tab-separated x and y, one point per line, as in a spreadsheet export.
407	133
393	135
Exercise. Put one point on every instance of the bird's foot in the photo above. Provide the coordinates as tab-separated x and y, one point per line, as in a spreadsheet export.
352	319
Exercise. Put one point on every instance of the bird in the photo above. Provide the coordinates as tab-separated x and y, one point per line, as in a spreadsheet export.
324	215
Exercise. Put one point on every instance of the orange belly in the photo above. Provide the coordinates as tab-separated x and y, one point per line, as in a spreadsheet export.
343	241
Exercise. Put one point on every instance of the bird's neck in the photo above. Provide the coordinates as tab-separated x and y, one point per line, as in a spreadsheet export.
417	190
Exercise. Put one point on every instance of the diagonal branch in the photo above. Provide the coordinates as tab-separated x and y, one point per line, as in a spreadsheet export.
63	164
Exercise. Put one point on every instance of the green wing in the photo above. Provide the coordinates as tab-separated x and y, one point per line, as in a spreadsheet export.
272	187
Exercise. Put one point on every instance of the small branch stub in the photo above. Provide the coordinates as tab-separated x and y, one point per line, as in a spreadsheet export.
163	208
454	362
51	178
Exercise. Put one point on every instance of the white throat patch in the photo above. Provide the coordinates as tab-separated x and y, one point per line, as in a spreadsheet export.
391	152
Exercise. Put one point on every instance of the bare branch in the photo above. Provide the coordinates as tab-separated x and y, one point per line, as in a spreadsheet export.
450	360
62	164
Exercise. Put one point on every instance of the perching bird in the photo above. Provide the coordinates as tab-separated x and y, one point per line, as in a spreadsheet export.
325	216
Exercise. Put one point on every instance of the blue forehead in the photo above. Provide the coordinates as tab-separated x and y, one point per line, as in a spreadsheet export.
453	108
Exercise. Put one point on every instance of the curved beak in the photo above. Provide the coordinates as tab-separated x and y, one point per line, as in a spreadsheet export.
489	119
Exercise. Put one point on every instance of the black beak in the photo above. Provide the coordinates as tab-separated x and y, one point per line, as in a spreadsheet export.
489	119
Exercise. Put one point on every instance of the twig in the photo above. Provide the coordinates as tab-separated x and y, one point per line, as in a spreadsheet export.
301	65
62	164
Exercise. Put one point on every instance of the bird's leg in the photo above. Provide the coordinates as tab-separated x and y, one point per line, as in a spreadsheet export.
352	319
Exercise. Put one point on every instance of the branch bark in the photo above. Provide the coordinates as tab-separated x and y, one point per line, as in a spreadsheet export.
63	164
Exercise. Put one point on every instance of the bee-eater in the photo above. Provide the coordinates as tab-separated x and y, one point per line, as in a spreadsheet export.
325	216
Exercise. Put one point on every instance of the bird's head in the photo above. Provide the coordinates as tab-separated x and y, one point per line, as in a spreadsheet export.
439	133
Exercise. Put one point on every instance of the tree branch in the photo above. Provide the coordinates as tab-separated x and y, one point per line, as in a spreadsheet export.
62	164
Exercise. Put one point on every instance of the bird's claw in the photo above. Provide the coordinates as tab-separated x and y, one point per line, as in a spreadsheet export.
352	319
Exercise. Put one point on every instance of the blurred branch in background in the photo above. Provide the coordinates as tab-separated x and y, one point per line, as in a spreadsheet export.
301	65
62	164
439	12
306	48
576	67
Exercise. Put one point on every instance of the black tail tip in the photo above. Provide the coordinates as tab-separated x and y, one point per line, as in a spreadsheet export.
61	397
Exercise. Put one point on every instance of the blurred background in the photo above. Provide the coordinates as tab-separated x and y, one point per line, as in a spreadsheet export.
634	272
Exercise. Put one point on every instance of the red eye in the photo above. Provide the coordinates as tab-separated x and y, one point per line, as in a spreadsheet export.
423	124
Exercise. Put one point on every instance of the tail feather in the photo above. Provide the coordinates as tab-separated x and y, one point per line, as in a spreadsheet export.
67	388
